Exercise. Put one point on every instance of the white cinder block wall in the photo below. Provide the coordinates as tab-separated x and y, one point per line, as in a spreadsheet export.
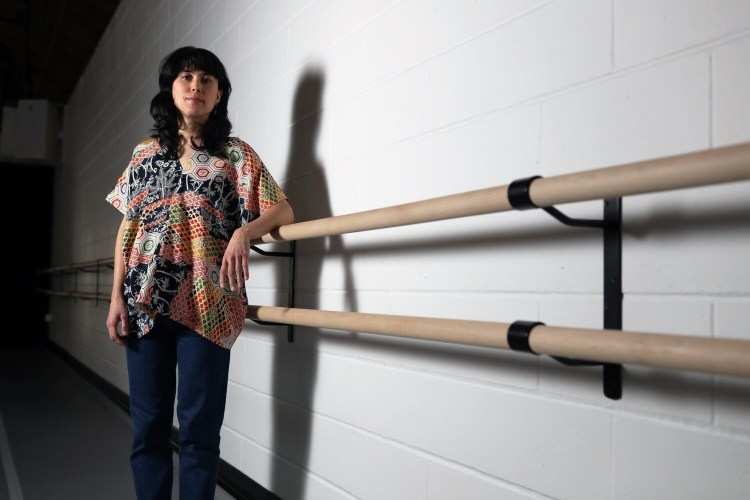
356	105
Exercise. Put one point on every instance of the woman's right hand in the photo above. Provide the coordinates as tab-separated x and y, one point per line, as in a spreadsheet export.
118	314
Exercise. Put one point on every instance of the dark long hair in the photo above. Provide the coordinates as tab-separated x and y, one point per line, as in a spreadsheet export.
216	130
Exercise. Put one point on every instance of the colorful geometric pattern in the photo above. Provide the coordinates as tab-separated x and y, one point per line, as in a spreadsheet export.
179	219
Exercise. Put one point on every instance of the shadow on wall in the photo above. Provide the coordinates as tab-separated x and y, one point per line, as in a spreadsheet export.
295	365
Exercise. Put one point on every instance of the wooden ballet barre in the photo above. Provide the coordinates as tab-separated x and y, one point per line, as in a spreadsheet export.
707	355
77	266
715	166
79	295
54	293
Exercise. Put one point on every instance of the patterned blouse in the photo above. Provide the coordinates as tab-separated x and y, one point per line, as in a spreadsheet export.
179	219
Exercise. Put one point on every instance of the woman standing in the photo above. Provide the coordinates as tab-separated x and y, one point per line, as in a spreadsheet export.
193	199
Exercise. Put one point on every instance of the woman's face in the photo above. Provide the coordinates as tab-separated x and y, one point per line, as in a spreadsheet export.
195	94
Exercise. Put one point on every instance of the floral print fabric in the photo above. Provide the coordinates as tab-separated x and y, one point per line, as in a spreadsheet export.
179	219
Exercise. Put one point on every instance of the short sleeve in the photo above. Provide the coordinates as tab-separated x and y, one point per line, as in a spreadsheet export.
119	197
257	189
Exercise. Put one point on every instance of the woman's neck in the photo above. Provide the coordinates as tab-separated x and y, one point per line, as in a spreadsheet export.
190	129
189	133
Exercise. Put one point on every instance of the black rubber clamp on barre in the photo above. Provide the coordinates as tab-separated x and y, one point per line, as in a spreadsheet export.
518	335
518	193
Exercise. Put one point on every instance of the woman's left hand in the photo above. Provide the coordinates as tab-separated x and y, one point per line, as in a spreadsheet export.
234	266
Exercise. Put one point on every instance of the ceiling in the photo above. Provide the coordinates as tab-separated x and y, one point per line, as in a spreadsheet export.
45	45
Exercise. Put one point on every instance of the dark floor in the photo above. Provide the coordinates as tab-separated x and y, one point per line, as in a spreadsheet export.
60	438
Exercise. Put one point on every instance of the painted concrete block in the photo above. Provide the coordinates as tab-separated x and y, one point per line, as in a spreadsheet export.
646	30
447	482
386	470
653	112
663	460
731	103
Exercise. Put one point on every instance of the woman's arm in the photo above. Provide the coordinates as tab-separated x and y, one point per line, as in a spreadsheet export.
118	312
234	266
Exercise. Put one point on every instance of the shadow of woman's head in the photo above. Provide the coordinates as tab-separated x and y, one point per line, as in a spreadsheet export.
306	118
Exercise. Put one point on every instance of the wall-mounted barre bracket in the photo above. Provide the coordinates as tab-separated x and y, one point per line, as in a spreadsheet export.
520	199
518	340
269	323
292	255
518	335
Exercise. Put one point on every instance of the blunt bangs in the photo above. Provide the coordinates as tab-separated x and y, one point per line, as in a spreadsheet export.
189	59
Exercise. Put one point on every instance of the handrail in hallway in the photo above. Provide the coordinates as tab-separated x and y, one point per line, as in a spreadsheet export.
710	355
78	266
727	164
679	352
74	295
89	266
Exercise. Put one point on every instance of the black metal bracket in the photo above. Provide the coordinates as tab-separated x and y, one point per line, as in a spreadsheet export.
611	226
518	335
292	255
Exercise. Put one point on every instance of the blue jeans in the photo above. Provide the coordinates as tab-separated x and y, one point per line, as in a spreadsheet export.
201	397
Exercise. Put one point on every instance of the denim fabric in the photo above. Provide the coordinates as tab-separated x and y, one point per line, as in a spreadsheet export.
201	384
